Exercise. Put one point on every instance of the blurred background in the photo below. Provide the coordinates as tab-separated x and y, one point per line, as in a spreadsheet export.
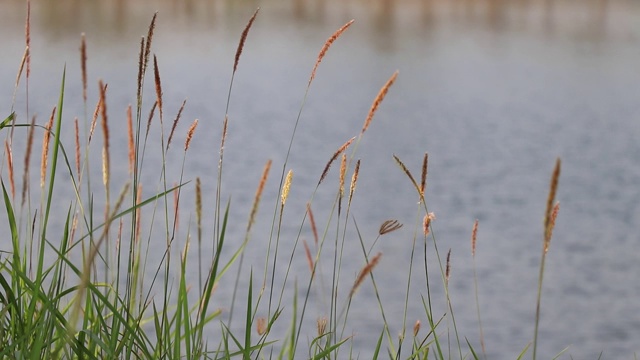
493	90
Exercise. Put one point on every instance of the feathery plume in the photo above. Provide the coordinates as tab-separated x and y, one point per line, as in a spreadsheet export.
406	171
45	148
307	252
343	172
261	326
131	142
96	112
141	69
256	200
474	234
326	46
553	187
354	180
333	158
156	76
151	114
366	270
147	49
313	224
426	223
192	129
105	132
175	123
552	224
286	187
83	65
322	325
378	100
27	159
389	226
27	35
416	328
243	38
423	179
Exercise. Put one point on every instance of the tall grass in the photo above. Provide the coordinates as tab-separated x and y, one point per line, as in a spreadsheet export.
88	289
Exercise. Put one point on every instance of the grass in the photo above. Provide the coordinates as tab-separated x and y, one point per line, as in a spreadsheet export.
91	291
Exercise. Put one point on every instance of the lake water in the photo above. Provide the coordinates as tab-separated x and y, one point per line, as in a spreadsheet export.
494	91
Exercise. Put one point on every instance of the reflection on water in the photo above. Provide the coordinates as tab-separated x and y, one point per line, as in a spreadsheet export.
596	20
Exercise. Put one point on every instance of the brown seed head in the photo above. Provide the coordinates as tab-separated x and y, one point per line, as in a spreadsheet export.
474	234
553	187
326	46
366	270
45	148
307	252
389	226
313	224
354	180
83	66
27	159
378	100
406	171
552	224
243	38
448	270
334	157
256	200
156	76
192	129
416	328
426	223
261	326
423	179
322	325
175	123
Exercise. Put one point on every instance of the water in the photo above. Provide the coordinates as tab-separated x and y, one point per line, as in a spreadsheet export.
494	91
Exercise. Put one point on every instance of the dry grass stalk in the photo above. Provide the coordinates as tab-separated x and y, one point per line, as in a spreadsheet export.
131	142
389	226
27	159
7	150
286	187
333	158
448	268
45	148
322	325
326	46
378	100
426	223
156	77
176	203
175	123
83	65
416	328
192	129
243	38
474	234
261	326
423	179
552	224
77	141
354	180
147	48
199	208
105	132
366	270
138	213
406	171
307	252
553	187
312	221
256	200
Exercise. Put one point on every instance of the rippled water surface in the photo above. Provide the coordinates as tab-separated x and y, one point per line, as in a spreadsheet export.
494	91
